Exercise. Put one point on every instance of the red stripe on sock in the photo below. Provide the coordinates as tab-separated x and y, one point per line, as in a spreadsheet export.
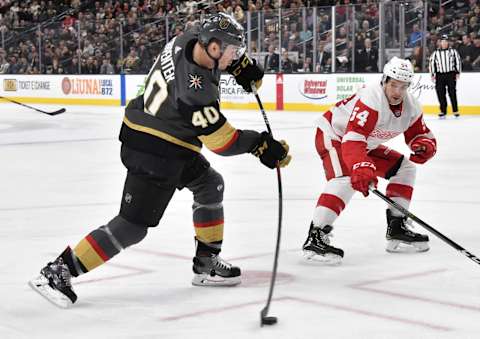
208	223
97	248
332	202
399	190
323	152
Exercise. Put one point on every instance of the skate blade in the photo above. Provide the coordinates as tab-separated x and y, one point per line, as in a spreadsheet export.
327	259
41	286
397	246
208	280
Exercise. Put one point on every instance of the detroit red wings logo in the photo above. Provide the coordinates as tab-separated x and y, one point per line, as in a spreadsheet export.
381	134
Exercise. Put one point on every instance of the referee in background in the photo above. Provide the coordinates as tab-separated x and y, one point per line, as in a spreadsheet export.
445	67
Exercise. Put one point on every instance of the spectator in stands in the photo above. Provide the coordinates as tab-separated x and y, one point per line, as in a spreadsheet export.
473	25
90	66
131	25
364	33
4	64
33	57
416	58
459	26
69	21
294	33
461	6
56	67
272	60
73	66
343	62
341	39
238	14
323	22
14	67
288	66
324	59
107	67
476	54
22	65
143	56
415	38
368	58
307	66
466	50
341	10
132	62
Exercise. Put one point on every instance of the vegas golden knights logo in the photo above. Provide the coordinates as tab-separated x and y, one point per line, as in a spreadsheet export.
10	85
224	23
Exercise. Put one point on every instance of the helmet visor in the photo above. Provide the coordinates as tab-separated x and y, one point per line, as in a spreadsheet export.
235	51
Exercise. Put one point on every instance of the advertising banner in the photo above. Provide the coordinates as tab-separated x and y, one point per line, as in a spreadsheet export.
294	92
62	89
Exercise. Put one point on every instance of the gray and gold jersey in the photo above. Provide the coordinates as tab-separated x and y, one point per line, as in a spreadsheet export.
181	105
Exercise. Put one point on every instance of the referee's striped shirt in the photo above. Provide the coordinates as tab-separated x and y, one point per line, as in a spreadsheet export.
444	61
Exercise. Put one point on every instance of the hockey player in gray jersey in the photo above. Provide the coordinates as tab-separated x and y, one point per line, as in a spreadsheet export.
162	135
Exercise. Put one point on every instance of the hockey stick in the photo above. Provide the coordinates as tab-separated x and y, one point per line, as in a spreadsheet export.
60	111
264	318
422	223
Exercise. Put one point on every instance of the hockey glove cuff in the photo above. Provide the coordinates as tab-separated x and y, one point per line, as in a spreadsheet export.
424	149
270	151
362	176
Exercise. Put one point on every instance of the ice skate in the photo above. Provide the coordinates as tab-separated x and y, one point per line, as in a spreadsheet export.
401	239
212	270
317	246
54	284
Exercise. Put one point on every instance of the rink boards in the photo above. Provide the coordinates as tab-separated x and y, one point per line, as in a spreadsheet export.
291	92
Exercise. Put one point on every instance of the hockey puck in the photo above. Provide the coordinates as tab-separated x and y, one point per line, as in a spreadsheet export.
269	320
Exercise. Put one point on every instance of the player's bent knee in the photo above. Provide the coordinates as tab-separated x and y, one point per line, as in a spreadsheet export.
210	189
125	232
408	168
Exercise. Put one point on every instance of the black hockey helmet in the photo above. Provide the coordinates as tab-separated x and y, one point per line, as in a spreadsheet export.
224	28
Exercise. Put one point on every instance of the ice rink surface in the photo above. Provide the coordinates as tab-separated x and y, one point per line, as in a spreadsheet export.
61	177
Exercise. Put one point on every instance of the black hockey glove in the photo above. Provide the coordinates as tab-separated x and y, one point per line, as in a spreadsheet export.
245	71
270	151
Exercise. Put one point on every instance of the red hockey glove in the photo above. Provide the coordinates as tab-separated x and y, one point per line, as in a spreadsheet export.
424	149
363	175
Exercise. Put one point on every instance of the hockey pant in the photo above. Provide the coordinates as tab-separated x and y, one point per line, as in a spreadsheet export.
150	184
446	82
390	164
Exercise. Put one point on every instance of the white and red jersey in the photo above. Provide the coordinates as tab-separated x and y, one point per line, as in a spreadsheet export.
365	120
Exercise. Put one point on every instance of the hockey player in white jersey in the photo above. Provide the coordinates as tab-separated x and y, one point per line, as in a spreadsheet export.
349	141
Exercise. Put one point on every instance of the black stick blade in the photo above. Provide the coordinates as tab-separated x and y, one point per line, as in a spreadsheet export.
60	111
269	321
266	320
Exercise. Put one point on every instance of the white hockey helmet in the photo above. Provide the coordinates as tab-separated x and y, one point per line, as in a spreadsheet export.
398	69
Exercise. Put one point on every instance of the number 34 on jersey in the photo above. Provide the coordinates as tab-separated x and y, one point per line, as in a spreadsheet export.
361	117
